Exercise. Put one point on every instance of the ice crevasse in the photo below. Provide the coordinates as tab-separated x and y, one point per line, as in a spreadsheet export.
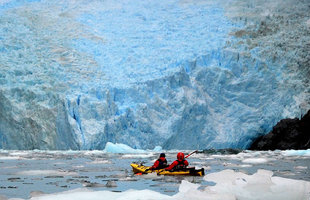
177	74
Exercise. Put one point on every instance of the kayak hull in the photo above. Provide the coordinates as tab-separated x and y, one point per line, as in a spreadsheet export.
137	168
188	172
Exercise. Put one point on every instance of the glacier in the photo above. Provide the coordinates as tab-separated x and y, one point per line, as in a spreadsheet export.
176	74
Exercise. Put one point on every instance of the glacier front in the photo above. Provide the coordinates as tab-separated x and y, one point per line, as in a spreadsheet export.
177	74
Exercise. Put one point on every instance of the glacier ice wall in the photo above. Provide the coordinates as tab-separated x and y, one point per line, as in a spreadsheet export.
177	74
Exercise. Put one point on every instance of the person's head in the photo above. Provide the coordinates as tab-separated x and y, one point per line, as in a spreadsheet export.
162	157
180	156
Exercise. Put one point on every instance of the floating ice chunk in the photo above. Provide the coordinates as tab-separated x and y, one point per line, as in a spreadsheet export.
255	160
137	155
308	23
230	185
296	152
20	153
158	148
10	158
187	187
97	161
45	172
78	166
94	152
207	167
111	184
189	190
36	193
261	185
120	148
218	156
300	167
85	194
245	166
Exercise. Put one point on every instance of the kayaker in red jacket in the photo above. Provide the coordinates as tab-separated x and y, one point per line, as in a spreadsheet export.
160	163
180	163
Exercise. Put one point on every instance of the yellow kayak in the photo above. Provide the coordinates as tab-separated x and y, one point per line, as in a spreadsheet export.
137	168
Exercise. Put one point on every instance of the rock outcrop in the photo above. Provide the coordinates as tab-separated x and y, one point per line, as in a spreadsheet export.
287	134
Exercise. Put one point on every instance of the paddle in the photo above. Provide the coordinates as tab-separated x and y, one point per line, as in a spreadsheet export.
159	171
191	153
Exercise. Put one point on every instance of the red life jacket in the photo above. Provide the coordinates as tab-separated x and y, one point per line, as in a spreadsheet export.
162	164
180	165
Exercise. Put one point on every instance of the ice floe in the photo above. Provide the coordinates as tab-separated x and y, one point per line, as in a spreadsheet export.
228	185
46	172
296	152
255	160
261	185
120	148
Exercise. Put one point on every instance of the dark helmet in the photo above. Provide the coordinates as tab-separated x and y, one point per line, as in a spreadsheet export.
162	155
180	156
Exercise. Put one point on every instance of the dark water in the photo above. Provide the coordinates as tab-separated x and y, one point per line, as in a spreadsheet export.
26	173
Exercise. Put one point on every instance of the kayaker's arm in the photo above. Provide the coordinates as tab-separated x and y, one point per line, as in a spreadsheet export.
155	165
175	163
